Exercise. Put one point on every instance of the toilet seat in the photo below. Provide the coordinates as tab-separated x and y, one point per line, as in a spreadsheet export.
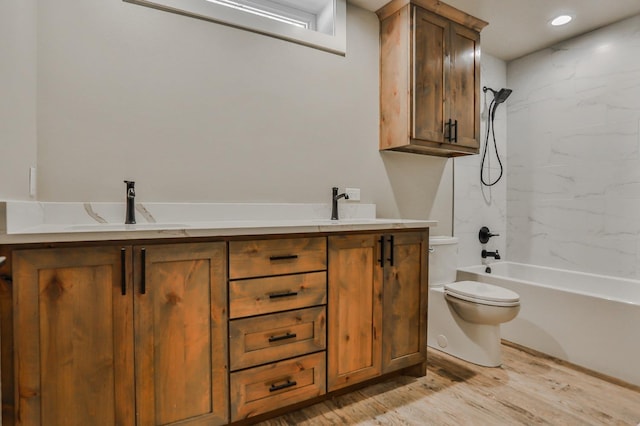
482	293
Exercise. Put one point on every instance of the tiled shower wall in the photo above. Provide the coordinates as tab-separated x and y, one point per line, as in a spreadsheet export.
476	205
573	198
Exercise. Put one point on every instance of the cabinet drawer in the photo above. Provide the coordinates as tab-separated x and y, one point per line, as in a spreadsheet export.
261	258
259	340
266	295
262	389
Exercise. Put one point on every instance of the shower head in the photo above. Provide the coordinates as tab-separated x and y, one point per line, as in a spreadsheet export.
502	96
498	96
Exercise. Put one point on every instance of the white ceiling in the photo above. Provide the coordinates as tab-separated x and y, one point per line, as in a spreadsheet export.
519	27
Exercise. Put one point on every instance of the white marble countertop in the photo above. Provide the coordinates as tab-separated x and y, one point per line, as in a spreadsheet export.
34	222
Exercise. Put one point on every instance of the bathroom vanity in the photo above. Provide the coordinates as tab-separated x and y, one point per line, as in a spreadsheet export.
239	321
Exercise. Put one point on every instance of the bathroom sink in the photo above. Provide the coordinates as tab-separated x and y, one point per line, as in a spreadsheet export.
98	227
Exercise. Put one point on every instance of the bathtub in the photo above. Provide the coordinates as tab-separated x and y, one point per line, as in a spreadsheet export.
589	320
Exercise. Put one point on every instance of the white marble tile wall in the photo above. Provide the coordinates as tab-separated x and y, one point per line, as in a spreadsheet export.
476	205
574	154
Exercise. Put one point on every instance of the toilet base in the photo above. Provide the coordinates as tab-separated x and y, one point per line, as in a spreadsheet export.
447	332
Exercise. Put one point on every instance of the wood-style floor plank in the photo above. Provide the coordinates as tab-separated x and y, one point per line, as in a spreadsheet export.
529	389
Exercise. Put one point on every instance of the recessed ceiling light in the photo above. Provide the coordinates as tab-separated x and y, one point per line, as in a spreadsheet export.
561	20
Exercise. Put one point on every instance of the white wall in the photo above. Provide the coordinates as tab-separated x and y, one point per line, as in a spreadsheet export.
476	205
574	154
18	143
197	111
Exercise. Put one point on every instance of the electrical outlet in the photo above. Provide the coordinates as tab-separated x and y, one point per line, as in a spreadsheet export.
353	193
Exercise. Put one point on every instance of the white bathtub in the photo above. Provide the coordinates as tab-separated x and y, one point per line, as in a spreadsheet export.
586	319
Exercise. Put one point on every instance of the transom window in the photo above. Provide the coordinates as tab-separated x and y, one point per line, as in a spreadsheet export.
315	23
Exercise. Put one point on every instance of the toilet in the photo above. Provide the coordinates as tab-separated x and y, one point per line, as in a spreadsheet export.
464	317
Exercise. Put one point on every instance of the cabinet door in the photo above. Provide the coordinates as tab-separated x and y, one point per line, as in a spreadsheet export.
73	335
464	81
181	334
405	301
355	310
430	65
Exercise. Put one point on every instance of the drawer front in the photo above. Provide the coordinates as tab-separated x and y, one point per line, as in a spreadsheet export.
262	389
266	295
262	258
264	339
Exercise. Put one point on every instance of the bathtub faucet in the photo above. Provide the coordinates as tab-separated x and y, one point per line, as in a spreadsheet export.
493	254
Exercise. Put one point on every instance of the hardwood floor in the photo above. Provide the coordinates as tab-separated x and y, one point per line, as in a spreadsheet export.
529	389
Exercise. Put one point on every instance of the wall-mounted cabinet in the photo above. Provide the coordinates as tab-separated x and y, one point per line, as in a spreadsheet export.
429	79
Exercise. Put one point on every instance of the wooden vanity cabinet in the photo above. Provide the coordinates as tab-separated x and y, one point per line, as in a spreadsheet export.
404	301
429	78
73	337
277	327
355	310
142	334
84	316
180	303
377	305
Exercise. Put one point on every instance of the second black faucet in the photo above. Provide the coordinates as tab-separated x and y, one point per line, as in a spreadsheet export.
131	203
334	202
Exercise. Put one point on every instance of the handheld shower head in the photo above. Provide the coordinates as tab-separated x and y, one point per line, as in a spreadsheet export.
498	96
502	95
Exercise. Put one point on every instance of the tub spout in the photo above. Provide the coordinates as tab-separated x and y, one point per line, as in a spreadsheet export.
493	254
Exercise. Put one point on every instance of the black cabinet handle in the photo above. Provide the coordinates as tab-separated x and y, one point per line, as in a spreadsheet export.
455	133
451	131
282	337
143	270
287	294
285	257
381	243
391	247
289	383
123	271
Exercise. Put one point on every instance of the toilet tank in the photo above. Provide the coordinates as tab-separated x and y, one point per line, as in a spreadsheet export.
443	260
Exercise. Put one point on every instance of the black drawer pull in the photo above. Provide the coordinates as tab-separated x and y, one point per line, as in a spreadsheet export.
289	383
282	337
285	257
286	294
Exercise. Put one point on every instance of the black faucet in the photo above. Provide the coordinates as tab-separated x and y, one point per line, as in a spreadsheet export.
131	203
334	202
493	254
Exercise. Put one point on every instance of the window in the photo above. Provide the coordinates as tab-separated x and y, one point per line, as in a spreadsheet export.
315	23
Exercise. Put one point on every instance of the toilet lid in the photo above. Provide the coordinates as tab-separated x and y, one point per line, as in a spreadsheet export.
482	292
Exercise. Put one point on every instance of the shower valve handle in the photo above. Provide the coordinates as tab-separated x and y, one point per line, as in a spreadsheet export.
485	234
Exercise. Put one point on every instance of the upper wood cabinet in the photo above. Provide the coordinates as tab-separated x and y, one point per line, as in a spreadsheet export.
429	79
